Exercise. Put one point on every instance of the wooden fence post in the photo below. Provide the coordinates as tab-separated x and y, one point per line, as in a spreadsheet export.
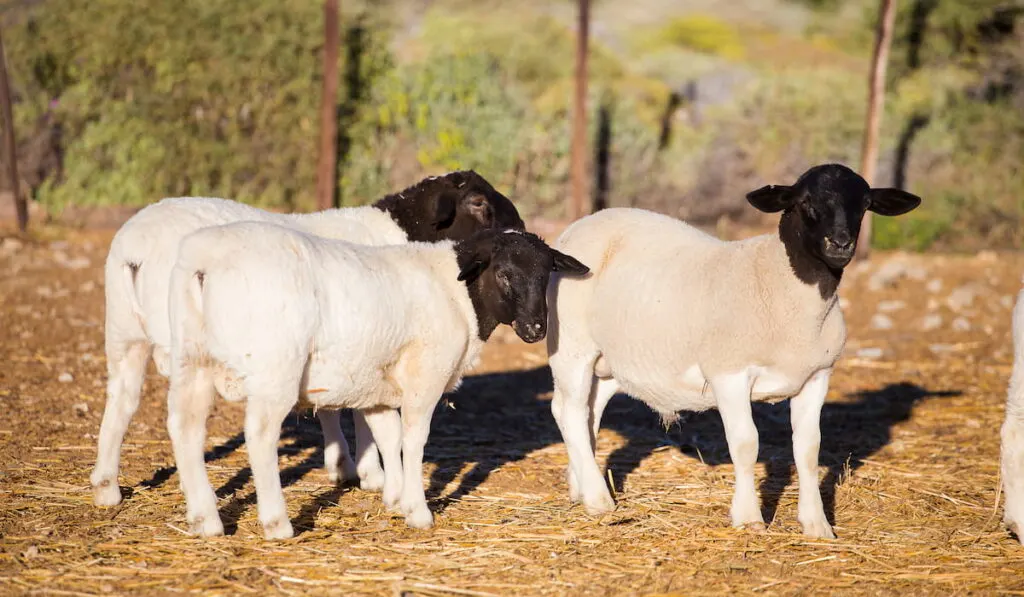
578	150
10	143
328	166
876	104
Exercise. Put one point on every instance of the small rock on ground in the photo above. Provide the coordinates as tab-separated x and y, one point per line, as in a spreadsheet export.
931	322
881	322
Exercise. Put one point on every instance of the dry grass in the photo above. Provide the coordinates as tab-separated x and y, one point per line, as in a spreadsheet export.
909	467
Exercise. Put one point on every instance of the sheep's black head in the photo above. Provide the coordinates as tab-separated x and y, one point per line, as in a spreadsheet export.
507	273
453	206
826	206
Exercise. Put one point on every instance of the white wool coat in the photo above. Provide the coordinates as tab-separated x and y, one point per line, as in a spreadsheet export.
340	324
152	236
669	307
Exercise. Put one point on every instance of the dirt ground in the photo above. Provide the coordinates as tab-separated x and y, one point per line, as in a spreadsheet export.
909	466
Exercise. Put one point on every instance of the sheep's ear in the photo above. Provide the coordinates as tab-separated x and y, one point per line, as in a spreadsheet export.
472	270
478	207
568	265
772	198
444	209
891	202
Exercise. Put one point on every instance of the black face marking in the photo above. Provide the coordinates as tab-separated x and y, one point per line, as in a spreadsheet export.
507	275
453	206
821	219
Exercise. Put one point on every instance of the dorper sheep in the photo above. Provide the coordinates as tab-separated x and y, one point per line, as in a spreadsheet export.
291	315
1013	431
138	270
684	321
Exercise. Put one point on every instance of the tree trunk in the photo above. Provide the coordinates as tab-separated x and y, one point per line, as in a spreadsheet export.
876	100
578	152
328	167
10	143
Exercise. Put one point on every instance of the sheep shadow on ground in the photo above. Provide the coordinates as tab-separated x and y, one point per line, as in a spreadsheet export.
299	432
502	417
499	418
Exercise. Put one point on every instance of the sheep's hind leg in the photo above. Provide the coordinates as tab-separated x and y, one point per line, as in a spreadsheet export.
188	406
126	369
732	393
264	415
337	459
371	476
385	426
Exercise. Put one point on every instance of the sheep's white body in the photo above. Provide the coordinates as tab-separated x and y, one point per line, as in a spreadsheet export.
341	325
1013	431
684	321
137	275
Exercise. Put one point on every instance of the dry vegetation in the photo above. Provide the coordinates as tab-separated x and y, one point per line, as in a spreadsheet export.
909	467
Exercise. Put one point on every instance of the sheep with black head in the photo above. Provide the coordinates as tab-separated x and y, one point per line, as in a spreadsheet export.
684	321
138	268
342	326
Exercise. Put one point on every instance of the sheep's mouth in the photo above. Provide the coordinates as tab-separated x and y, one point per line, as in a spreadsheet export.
529	333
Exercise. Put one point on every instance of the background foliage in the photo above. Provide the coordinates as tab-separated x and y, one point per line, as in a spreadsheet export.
693	103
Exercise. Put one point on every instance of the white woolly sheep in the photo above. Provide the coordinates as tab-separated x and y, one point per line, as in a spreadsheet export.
138	271
684	321
1013	431
292	315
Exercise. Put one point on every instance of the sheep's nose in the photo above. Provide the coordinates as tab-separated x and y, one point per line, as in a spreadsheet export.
840	242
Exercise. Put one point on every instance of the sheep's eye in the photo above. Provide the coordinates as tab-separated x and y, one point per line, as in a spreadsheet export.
503	281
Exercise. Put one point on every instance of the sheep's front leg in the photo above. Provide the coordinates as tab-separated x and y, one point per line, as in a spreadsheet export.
371	477
188	406
732	393
1012	447
570	406
337	459
263	419
416	415
601	392
385	426
805	411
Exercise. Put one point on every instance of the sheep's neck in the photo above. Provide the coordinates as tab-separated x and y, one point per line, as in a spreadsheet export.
408	214
807	267
486	322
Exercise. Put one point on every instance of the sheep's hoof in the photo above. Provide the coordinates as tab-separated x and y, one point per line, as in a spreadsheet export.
206	526
106	493
754	526
575	495
371	480
1016	529
393	501
420	518
343	474
279	528
602	505
819	529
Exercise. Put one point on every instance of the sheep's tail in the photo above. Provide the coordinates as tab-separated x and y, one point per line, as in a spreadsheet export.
129	277
188	328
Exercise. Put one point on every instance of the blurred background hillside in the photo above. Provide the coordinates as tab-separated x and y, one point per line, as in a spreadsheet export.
692	103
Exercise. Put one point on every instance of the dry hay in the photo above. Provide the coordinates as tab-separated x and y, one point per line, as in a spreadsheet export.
909	465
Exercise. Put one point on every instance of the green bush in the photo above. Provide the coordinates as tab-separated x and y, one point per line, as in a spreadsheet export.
184	97
702	33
